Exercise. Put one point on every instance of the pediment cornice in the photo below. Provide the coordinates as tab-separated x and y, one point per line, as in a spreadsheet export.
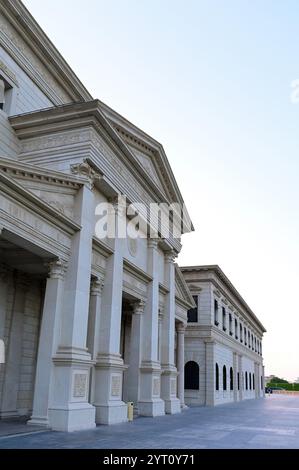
182	291
19	171
37	56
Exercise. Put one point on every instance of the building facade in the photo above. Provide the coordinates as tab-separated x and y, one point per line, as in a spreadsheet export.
223	343
89	323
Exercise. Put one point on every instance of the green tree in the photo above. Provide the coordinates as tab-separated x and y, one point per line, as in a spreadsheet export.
278	380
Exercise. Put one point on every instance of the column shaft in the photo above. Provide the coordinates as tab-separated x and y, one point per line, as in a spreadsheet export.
110	407
150	403
169	371
181	363
70	409
48	342
210	373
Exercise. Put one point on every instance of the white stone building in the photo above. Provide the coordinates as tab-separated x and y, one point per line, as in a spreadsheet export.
88	324
223	343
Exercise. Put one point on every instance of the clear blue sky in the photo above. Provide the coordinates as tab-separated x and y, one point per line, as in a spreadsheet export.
211	80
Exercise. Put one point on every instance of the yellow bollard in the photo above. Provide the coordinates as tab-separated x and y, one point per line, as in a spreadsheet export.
130	410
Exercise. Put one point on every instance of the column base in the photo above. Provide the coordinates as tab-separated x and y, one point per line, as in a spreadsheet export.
154	407
73	418
150	403
70	409
169	389
39	421
110	409
172	406
112	413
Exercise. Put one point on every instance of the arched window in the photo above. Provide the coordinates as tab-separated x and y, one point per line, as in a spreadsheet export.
224	380
231	379
238	380
249	380
191	376
246	380
217	376
253	382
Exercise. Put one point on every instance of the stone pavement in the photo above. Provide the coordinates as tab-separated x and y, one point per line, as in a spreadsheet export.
272	422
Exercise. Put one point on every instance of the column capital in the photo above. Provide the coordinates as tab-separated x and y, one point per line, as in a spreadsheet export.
138	307
84	169
57	269
96	286
152	243
170	256
181	328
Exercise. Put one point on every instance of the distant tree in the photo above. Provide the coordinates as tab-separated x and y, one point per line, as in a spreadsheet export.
277	380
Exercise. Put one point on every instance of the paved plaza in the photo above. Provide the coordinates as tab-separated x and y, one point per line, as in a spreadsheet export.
272	422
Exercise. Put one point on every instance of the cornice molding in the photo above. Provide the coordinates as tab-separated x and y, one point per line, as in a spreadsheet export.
63	77
136	272
232	295
187	300
18	170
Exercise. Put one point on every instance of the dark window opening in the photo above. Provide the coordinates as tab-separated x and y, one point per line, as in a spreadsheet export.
223	319
192	314
191	376
5	94
250	381
238	380
224	379
246	380
217	376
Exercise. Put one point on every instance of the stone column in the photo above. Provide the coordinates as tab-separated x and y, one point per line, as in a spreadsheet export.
110	366
181	362
48	342
133	373
240	366
70	409
3	299
93	332
263	375
257	380
150	403
14	351
235	375
169	371
3	312
210	373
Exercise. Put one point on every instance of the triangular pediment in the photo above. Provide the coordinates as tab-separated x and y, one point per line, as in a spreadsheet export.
182	291
148	164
